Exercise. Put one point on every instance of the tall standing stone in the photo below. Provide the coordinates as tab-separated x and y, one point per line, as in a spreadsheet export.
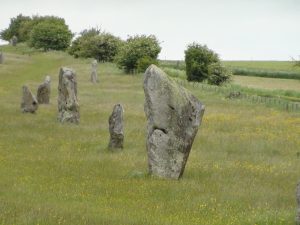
43	92
29	104
68	107
116	128
1	58
14	40
174	116
94	75
298	204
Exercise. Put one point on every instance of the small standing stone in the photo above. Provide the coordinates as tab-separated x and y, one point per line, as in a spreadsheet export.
174	116
43	92
298	204
14	40
1	58
29	104
68	107
94	75
116	127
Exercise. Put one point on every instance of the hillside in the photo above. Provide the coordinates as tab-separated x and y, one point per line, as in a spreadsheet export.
243	167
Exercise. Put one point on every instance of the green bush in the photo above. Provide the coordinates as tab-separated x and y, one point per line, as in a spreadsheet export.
144	63
218	74
50	36
136	48
204	64
84	36
96	44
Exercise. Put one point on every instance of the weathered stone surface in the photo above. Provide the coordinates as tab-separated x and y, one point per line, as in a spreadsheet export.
68	107
43	91
1	58
29	104
94	75
14	41
116	128
298	203
174	116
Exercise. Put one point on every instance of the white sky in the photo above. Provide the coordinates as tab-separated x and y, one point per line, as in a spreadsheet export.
236	29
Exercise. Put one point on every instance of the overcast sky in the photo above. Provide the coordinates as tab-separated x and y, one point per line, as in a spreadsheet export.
236	29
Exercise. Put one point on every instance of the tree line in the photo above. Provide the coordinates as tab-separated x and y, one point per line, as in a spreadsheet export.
135	53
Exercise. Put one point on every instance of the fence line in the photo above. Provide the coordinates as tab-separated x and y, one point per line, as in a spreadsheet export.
231	93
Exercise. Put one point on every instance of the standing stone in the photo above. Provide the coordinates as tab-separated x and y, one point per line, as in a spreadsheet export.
43	92
298	204
29	104
1	58
68	107
116	127
94	75
174	116
14	41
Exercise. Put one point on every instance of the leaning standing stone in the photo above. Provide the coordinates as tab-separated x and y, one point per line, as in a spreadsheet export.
68	107
43	92
29	104
174	116
116	127
1	58
94	75
14	41
298	204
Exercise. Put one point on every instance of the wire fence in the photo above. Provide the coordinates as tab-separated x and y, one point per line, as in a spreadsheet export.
231	93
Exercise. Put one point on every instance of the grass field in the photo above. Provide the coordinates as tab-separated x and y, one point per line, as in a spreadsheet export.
243	167
267	83
264	65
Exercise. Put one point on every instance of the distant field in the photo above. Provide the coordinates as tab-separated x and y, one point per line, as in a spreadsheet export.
273	69
264	65
243	167
267	83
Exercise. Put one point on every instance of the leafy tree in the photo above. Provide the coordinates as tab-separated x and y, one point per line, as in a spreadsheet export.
48	35
96	44
136	48
144	63
204	64
22	26
14	27
27	26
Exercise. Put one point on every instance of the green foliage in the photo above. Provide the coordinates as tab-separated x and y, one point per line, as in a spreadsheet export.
27	26
197	59
218	74
144	62
204	64
95	44
14	27
21	26
47	32
50	36
136	48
